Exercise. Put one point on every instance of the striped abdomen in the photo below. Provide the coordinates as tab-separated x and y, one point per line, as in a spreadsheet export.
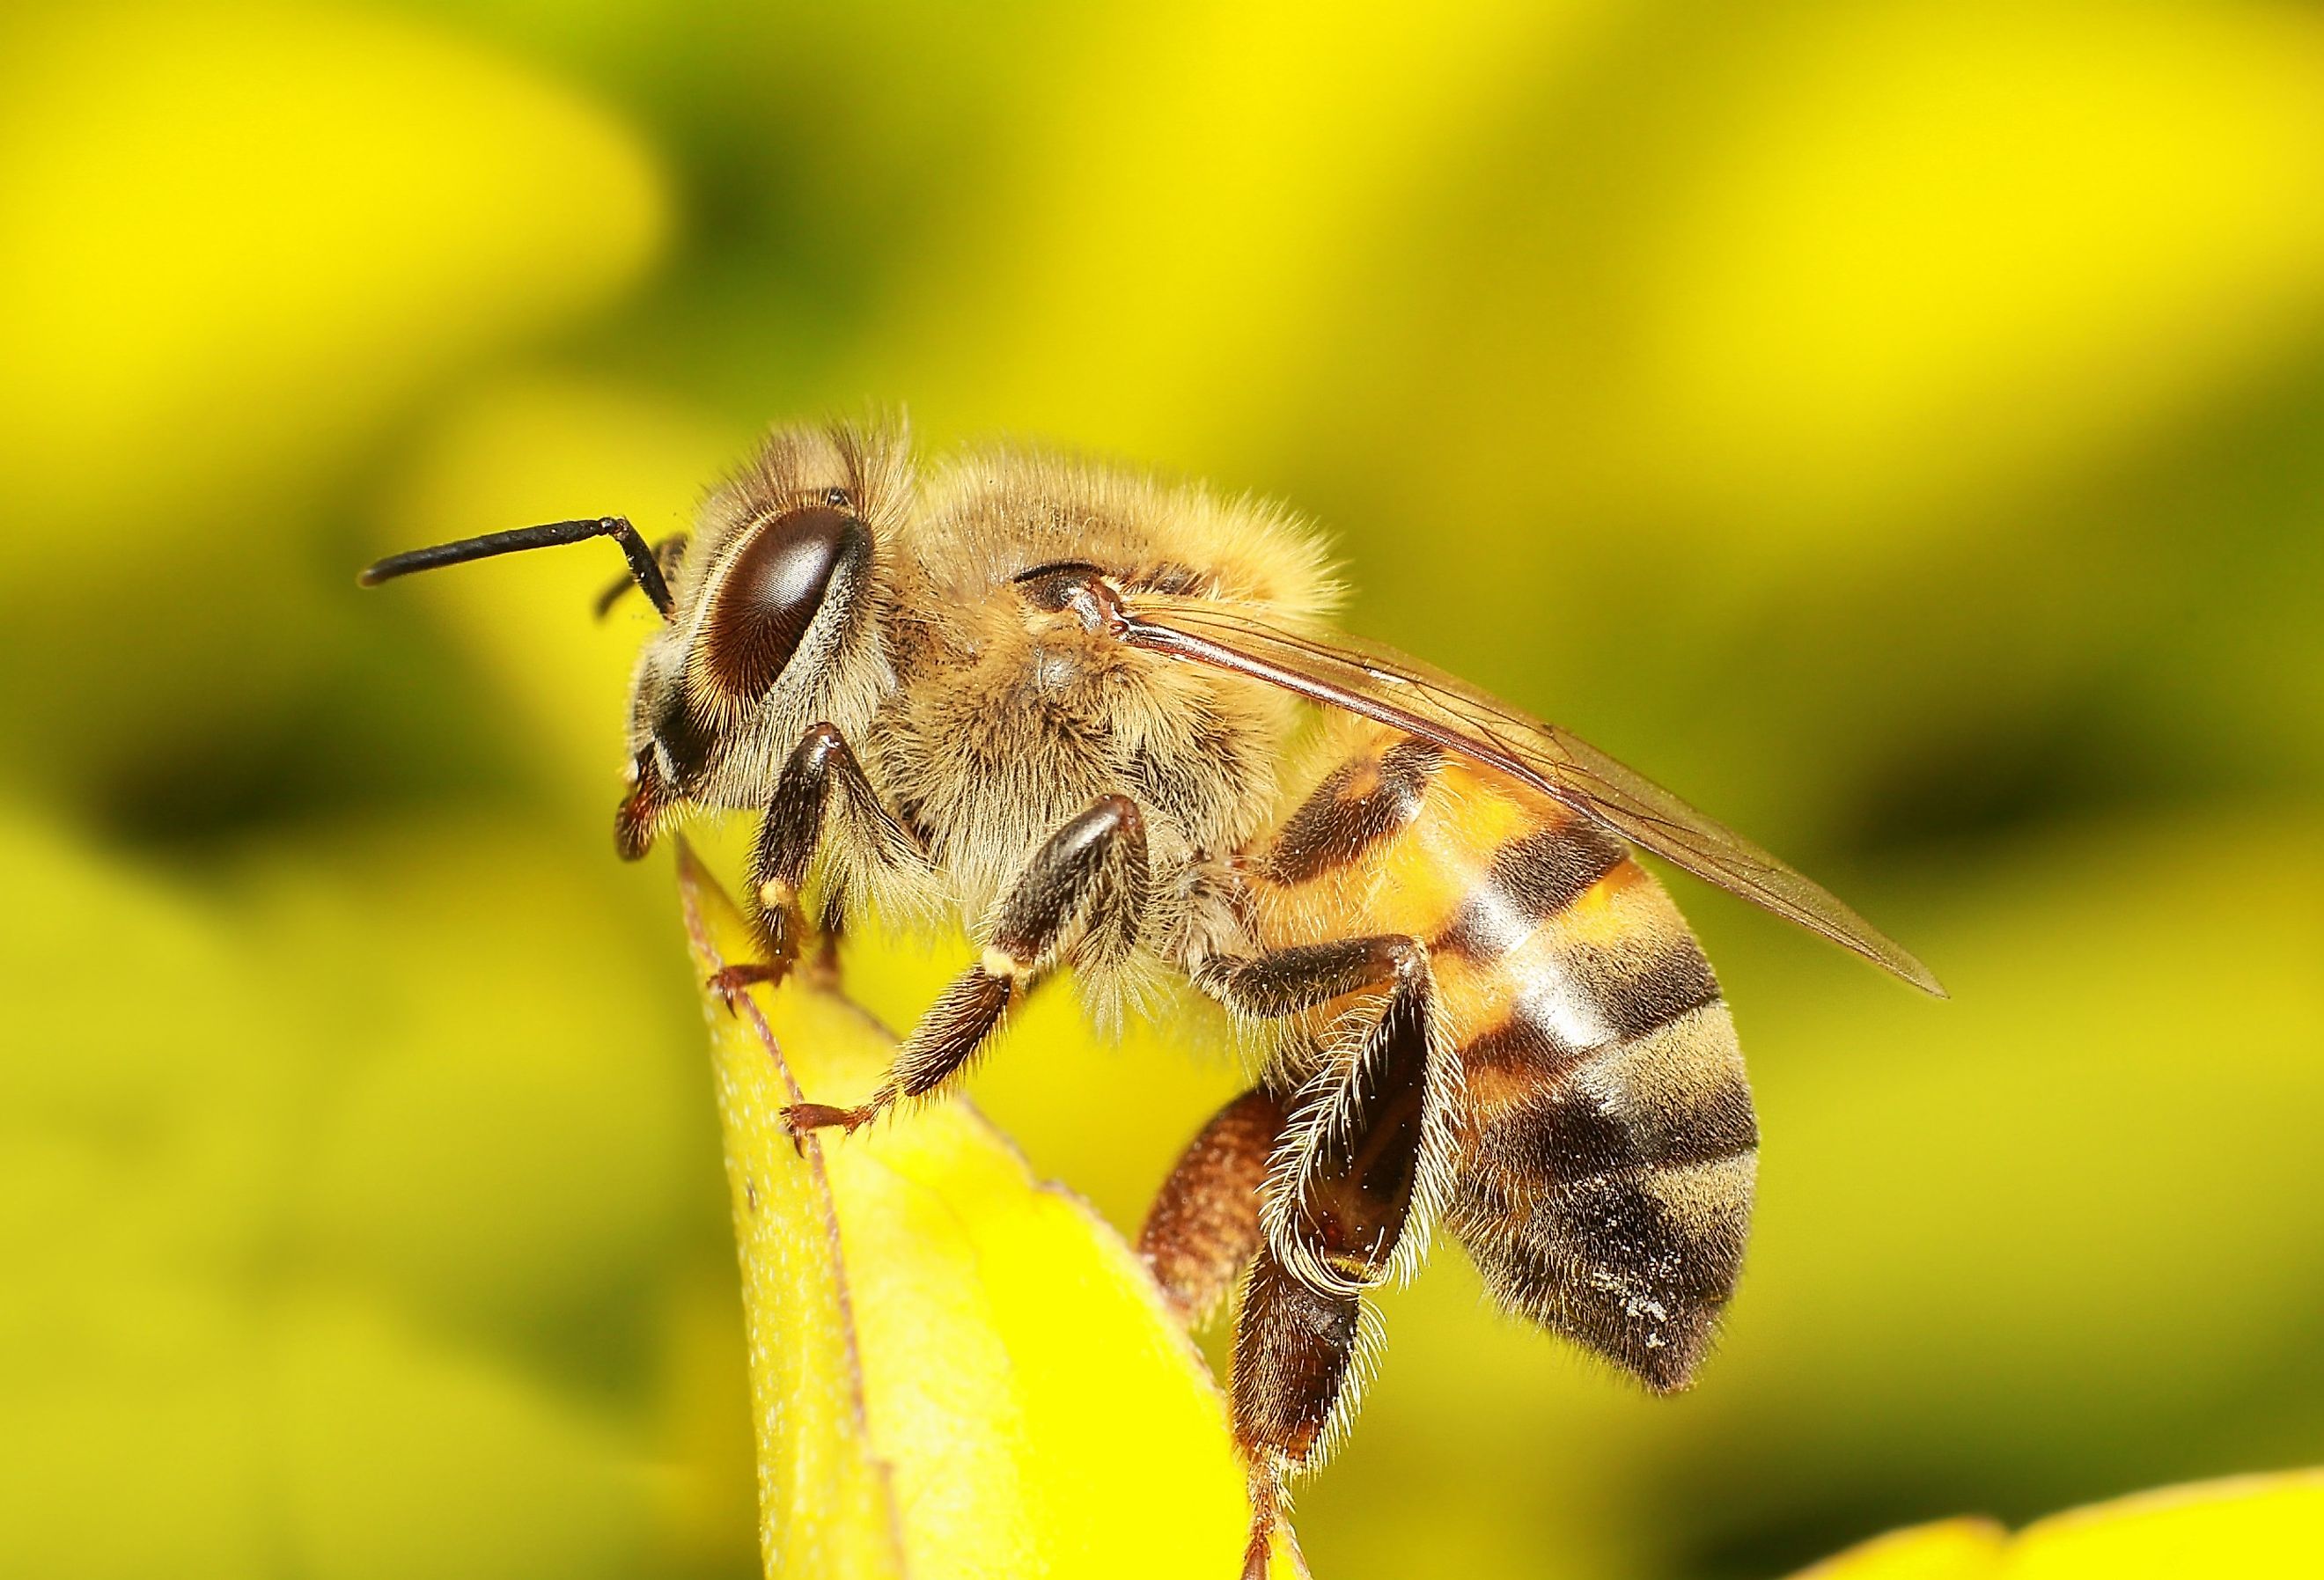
1603	1143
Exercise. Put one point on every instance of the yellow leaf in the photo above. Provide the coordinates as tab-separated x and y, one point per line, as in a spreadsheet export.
2249	1528
1949	1549
956	1370
2245	1528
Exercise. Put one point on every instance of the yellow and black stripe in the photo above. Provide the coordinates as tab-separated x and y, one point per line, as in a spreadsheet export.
1604	1133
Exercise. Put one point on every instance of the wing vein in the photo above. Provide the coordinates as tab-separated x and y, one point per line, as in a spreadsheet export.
1377	683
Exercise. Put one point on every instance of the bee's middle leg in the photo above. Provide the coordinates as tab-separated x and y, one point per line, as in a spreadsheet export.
1083	889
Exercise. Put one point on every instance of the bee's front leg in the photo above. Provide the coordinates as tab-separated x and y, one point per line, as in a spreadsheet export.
822	781
1084	888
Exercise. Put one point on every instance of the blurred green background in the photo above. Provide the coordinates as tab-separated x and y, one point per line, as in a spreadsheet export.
1896	424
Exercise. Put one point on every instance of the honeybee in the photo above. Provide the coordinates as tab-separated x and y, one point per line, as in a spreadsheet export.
1058	702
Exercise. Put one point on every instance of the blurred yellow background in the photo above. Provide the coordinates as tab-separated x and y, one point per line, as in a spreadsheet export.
1896	424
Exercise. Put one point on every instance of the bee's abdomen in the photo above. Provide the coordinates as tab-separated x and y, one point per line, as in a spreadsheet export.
1613	1203
1605	1135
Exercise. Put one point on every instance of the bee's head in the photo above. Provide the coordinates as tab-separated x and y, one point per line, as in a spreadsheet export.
766	628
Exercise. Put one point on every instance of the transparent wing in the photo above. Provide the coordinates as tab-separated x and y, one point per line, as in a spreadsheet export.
1365	677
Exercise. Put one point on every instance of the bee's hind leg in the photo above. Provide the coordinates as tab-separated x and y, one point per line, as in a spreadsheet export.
1084	889
1203	1229
1365	1128
1358	1145
1294	1351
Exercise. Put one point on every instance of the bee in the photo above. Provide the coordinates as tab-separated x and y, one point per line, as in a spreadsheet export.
1061	703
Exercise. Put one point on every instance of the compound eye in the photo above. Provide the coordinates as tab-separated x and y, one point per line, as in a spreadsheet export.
770	592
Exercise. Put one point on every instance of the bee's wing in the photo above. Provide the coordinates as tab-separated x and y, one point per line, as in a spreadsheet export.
1379	682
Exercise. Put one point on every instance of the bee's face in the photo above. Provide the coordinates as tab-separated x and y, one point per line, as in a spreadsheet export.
769	619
